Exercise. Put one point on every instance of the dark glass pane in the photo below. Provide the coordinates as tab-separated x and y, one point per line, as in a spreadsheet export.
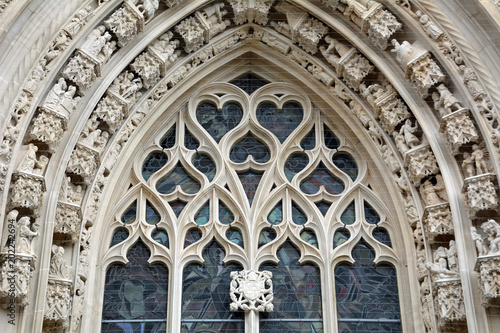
298	215
130	213
119	236
340	237
152	216
349	214
309	141
323	207
382	236
203	215
308	236
216	123
280	123
137	291
294	164
153	163
192	237
297	294
205	164
266	235
177	207
161	237
225	215
190	141
249	83
371	215
249	146
362	327
168	141
205	294
321	177
235	236
364	291
331	140
250	181
347	164
276	215
179	177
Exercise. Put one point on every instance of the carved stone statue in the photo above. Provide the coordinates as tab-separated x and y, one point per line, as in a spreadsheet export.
480	160
470	80
58	267
408	131
482	248
468	165
25	236
430	28
447	100
440	266
29	160
492	229
430	193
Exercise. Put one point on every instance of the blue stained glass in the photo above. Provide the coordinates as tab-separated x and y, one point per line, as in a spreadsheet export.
192	236
249	83
349	214
130	213
365	291
294	164
225	215
267	235
190	141
323	207
203	215
331	140
309	237
249	146
235	236
168	140
321	177
205	295
216	123
177	207
280	123
340	237
250	181
205	164
382	236
276	215
161	237
153	163
152	216
179	177
298	215
135	296
297	295
119	236
309	141
347	164
371	215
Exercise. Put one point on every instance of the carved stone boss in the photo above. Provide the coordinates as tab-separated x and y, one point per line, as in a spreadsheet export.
251	11
251	290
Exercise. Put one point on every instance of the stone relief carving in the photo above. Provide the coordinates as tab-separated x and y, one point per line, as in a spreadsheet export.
251	11
48	127
480	193
15	278
192	33
251	290
61	98
128	21
58	304
83	162
458	129
488	272
67	221
450	304
27	191
438	221
421	163
440	267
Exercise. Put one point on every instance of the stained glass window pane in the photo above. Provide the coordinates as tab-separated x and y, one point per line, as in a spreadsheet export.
153	163
249	146
130	214
321	177
298	215
308	236
190	141
235	236
266	235
382	236
331	140
119	236
152	216
205	164
371	215
168	141
280	123
216	123
135	294
364	291
323	207
349	214
203	215
179	177
347	164
192	237
205	295
309	141
294	164
276	215
297	295
340	237
177	207
161	237
249	83
250	181
225	215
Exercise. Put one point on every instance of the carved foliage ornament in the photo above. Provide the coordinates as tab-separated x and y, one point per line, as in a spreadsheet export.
251	290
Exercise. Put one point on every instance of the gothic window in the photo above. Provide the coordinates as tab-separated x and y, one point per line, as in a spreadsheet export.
255	178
